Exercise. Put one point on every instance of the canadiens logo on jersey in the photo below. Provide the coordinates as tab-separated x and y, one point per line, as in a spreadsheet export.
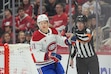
52	46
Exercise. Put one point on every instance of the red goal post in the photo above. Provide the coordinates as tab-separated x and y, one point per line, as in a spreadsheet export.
16	59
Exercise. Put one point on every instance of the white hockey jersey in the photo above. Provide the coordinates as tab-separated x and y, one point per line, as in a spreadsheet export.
41	43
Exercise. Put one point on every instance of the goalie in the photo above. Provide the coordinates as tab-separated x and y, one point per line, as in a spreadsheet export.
44	45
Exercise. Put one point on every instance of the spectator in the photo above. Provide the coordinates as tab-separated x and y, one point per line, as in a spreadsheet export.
50	7
8	29
91	5
94	31
79	11
70	27
43	10
8	18
28	8
21	37
24	21
36	7
86	12
28	35
6	38
73	7
59	21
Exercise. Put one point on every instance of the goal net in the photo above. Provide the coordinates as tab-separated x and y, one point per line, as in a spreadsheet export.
16	59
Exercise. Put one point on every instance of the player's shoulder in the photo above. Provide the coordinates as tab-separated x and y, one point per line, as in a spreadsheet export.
54	31
37	36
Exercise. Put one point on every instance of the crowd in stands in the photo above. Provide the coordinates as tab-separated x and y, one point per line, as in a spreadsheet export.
58	13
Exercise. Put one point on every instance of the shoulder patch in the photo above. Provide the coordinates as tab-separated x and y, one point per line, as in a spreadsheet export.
37	36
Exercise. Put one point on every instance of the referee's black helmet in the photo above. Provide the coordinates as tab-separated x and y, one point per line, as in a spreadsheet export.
81	18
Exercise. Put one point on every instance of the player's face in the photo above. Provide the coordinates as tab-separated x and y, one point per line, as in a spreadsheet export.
43	26
80	26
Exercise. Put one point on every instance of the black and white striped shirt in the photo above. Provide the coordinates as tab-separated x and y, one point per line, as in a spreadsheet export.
84	44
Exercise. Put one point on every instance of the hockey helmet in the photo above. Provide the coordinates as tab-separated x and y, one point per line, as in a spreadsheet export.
42	17
81	18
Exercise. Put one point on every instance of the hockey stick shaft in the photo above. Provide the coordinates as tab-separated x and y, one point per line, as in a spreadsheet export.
70	49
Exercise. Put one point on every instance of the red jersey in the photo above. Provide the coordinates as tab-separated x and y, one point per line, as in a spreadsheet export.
29	10
72	9
25	23
59	21
81	1
7	22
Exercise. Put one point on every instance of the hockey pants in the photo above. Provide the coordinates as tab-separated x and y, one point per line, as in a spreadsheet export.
54	68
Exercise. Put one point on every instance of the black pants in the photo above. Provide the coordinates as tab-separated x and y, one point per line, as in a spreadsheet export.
87	65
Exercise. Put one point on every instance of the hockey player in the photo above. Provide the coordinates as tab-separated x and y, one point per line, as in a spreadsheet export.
44	45
86	59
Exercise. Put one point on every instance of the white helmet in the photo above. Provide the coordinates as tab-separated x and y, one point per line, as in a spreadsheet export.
42	17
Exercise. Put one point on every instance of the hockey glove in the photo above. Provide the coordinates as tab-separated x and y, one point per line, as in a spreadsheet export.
54	56
71	41
68	42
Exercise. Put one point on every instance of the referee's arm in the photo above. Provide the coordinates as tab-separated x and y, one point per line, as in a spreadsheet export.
84	37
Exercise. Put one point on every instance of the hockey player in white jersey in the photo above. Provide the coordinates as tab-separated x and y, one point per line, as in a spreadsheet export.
44	45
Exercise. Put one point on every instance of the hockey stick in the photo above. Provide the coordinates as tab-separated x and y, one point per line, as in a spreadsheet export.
70	49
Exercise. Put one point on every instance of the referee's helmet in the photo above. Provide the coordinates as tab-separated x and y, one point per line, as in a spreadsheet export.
81	18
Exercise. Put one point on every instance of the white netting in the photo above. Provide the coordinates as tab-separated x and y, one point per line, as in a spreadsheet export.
1	60
20	60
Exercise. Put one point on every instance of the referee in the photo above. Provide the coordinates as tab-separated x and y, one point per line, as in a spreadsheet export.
86	59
